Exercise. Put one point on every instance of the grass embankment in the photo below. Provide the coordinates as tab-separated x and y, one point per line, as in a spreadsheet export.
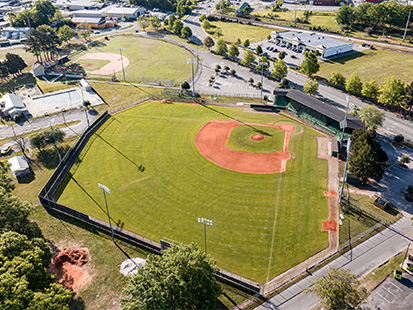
160	184
376	64
232	31
149	58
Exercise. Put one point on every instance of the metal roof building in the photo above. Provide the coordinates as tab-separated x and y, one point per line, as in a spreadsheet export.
327	47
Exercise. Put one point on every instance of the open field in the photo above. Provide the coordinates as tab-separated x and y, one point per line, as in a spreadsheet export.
376	64
28	58
160	184
232	31
148	58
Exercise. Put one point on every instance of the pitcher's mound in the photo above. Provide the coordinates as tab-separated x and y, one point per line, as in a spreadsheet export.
68	266
258	137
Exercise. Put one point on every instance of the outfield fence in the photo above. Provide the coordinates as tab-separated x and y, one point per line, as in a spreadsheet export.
46	197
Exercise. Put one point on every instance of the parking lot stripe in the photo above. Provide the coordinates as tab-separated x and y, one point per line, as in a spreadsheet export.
389	291
382	297
396	287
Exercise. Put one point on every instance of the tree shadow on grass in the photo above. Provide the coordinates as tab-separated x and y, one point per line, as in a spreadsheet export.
77	303
49	159
9	85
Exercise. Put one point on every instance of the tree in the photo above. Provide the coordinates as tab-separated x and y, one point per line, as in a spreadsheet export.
44	12
202	18
65	33
186	32
337	79
221	47
144	23
311	86
364	156
258	50
42	139
42	42
155	22
180	9
339	289
281	55
4	70
209	42
247	43
370	89
354	84
280	69
262	59
185	86
345	15
249	57
84	31
171	21
233	51
238	42
178	279
310	64
392	92
206	25
371	116
408	97
15	64
178	25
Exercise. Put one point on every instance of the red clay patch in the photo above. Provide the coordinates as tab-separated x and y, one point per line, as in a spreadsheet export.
329	226
257	137
211	142
330	193
68	266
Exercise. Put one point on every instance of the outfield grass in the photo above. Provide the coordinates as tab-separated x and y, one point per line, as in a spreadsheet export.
28	58
240	139
232	31
160	184
376	64
148	58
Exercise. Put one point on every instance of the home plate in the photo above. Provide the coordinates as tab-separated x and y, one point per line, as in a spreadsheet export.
130	266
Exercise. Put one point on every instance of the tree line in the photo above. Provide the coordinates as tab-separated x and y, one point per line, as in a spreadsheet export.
12	65
371	17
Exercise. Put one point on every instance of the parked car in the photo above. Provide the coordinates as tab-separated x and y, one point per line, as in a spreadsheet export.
397	274
5	150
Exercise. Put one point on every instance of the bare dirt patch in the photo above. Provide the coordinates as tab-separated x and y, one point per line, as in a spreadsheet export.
211	141
68	265
115	64
257	137
329	226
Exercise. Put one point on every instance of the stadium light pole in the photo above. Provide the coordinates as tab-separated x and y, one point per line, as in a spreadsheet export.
262	64
205	222
345	121
54	139
191	61
121	60
107	190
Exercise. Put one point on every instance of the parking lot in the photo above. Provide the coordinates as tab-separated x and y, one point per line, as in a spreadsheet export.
392	294
272	48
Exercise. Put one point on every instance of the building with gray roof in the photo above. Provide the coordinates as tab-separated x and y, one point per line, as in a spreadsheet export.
326	46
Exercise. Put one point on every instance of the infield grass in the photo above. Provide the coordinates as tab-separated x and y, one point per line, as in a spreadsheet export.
149	58
93	64
263	224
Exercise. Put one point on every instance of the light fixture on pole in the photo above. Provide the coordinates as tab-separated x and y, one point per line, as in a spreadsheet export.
54	139
262	64
121	60
191	61
107	190
205	222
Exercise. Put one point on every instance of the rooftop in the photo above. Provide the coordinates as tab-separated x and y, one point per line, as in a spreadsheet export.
313	39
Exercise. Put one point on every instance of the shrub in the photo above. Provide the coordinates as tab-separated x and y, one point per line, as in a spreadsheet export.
398	139
405	159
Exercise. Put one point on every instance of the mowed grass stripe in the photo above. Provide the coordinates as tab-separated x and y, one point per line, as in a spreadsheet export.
179	185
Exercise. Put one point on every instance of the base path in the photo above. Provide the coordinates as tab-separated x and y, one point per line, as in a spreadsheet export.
211	142
115	64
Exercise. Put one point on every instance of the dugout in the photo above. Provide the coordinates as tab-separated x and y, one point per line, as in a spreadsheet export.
316	112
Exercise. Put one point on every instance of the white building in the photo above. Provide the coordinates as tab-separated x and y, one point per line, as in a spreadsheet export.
124	12
327	47
19	166
15	33
13	106
78	5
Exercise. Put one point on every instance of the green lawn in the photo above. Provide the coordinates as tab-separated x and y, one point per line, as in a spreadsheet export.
148	58
160	184
232	31
92	64
240	139
354	224
376	64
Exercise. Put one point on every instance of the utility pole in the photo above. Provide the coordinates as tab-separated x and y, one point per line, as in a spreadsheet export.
295	11
262	64
407	24
205	222
27	16
191	61
107	190
54	139
345	121
345	171
121	60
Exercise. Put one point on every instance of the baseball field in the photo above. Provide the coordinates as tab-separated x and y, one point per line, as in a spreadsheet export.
151	157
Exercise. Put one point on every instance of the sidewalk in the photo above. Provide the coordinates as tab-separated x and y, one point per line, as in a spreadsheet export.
361	260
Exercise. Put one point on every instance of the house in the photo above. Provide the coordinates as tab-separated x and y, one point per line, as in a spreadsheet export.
19	166
13	106
242	8
38	69
15	33
327	47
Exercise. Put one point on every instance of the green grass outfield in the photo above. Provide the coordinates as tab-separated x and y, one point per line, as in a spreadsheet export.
148	58
263	224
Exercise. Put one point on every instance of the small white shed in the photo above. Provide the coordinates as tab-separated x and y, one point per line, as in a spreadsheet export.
19	166
85	85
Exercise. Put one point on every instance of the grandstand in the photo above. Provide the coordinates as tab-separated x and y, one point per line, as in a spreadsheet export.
320	114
